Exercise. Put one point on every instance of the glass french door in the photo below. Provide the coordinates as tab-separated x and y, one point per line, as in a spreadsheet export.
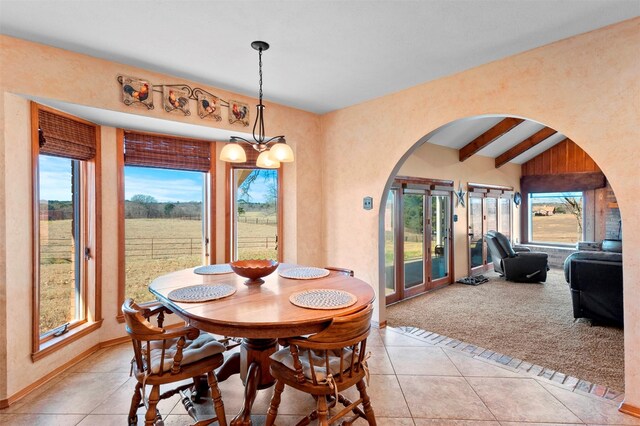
483	217
476	231
440	253
491	218
413	215
417	242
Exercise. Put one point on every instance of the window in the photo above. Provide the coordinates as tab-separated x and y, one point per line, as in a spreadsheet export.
255	199
489	210
417	230
66	154
164	211
390	242
556	217
504	214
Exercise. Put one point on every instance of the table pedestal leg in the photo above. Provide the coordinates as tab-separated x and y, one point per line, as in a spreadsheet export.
230	367
254	371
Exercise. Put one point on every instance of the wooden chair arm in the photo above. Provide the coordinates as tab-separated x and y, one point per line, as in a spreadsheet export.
188	332
153	308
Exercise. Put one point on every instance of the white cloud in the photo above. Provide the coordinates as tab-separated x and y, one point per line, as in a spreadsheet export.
164	190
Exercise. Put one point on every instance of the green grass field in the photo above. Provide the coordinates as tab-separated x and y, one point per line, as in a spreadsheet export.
153	247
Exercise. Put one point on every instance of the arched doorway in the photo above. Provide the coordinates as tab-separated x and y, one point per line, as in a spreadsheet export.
444	167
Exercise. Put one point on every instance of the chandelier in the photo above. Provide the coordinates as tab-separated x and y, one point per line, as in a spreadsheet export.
273	151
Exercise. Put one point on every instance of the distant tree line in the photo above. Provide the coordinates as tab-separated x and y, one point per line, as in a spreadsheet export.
140	206
143	206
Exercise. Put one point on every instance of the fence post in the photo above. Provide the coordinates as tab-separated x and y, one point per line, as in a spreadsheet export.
191	241
152	248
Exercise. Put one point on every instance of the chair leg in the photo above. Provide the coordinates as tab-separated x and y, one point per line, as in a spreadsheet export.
323	411
275	403
154	397
366	402
135	402
218	405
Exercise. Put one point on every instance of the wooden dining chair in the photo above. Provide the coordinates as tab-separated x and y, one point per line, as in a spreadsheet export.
324	365
340	270
163	356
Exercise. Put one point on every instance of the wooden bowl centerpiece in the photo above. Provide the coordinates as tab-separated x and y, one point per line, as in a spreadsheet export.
254	269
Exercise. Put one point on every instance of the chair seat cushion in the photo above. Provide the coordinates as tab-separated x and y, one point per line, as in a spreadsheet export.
283	356
205	345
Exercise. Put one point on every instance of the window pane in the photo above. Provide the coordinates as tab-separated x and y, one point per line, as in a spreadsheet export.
439	236
390	244
163	225
475	231
556	217
504	224
491	210
256	214
59	217
413	240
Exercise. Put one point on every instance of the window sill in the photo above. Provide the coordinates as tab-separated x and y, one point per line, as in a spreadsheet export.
568	246
52	345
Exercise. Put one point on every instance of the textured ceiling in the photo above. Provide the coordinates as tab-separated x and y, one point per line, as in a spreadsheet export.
325	55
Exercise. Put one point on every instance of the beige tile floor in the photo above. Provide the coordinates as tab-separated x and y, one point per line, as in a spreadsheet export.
412	383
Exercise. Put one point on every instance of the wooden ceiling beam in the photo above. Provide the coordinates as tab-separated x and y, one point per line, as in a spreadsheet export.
487	137
525	145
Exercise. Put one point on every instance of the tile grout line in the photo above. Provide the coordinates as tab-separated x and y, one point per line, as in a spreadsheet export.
493	358
470	386
395	374
561	403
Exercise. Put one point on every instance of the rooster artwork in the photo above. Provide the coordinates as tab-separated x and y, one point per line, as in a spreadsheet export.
208	106
238	112
175	100
136	91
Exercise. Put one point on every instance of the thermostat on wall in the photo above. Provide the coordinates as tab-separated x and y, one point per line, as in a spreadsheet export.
367	203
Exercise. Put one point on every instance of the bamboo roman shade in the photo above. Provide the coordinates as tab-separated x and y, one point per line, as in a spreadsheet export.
64	137
166	152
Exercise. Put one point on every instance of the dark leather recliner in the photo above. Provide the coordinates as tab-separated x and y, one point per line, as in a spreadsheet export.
595	279
521	265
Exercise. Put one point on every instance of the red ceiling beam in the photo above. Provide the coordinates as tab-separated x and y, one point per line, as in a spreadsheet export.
525	145
487	137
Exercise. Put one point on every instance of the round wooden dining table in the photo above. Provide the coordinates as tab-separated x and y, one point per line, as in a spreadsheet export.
260	314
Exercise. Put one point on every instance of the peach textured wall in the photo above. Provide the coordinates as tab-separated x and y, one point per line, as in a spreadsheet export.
34	70
587	87
438	162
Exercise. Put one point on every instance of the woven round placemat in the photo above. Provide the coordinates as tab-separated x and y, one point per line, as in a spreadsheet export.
201	292
304	273
323	298
223	268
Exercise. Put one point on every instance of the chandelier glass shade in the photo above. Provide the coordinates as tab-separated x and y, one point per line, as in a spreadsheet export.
273	151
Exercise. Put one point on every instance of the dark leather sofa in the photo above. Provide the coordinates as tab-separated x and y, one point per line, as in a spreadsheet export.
595	279
518	264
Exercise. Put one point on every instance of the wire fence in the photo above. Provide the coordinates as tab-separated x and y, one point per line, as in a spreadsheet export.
60	250
258	220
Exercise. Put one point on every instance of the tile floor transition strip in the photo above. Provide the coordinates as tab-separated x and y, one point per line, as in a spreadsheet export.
513	364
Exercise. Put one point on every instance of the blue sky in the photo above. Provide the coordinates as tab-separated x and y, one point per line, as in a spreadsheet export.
259	190
55	178
552	197
164	185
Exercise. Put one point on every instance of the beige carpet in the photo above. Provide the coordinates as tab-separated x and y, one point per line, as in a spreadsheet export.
533	322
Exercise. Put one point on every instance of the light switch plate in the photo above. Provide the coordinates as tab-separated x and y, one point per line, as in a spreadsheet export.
367	203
